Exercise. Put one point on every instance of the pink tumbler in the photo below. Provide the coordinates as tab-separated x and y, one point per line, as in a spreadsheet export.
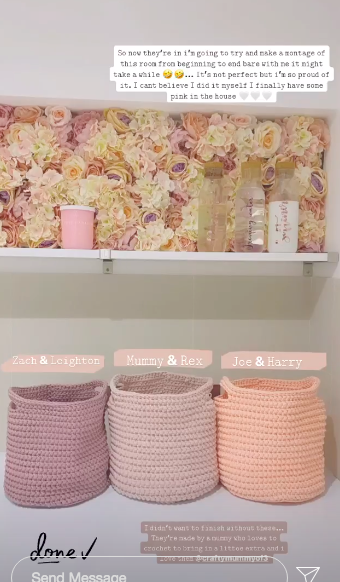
77	227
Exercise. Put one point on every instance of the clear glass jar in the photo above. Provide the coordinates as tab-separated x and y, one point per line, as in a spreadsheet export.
250	210
212	211
283	225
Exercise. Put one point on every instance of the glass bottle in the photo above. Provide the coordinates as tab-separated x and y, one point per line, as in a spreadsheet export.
250	210
212	210
283	226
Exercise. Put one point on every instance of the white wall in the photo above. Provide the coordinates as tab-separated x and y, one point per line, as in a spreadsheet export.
64	49
96	314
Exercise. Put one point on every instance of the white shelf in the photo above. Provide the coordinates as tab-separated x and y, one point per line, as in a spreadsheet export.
23	260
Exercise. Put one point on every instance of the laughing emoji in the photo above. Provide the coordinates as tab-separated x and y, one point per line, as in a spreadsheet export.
179	74
167	74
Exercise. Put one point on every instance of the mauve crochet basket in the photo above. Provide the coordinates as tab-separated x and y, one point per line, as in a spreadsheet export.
163	437
270	439
57	452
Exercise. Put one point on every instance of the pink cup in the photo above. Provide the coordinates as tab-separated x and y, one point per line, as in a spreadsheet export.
77	227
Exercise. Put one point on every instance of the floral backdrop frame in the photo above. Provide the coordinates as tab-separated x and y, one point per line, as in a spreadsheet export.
143	171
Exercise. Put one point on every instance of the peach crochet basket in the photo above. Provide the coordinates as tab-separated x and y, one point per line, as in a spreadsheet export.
57	451
163	437
270	439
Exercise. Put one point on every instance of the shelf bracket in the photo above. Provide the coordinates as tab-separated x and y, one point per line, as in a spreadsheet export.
308	269
107	266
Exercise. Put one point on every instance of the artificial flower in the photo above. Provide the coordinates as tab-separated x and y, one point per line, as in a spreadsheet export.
58	116
243	121
11	229
3	236
118	172
319	128
26	114
119	118
143	172
6	116
95	167
153	236
104	144
267	139
73	168
85	125
196	125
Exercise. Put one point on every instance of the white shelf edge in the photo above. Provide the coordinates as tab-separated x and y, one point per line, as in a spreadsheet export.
63	261
226	257
101	254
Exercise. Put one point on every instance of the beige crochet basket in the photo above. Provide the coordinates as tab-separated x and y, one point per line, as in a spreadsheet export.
270	439
163	437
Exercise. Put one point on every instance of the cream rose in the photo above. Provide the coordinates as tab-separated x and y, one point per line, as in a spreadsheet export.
267	138
73	168
177	166
58	115
117	171
119	118
318	183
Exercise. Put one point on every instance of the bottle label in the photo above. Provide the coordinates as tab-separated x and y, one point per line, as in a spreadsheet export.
283	228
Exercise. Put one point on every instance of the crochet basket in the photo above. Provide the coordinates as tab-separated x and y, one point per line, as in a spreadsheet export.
163	437
57	452
270	439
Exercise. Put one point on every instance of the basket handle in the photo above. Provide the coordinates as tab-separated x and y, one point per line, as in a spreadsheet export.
226	385
115	382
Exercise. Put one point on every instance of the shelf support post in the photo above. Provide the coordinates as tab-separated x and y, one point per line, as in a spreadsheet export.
308	269
107	266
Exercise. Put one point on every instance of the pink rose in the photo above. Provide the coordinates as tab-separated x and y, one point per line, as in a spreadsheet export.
320	129
185	244
95	168
6	116
84	125
65	136
173	218
42	120
65	153
315	206
196	124
58	115
179	198
27	114
22	196
126	242
178	140
311	247
12	229
228	164
243	120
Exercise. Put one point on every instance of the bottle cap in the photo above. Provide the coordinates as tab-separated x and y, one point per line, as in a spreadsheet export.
213	169
251	164
287	165
213	165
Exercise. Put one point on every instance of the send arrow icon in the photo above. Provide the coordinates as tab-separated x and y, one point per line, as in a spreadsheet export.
308	573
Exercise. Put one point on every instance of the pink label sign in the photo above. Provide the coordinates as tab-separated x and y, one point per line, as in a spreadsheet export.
54	363
163	358
274	360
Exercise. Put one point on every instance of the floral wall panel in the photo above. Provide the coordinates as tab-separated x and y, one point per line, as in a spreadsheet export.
143	171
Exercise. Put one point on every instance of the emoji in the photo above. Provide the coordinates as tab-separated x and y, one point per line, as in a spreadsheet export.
179	73
167	74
